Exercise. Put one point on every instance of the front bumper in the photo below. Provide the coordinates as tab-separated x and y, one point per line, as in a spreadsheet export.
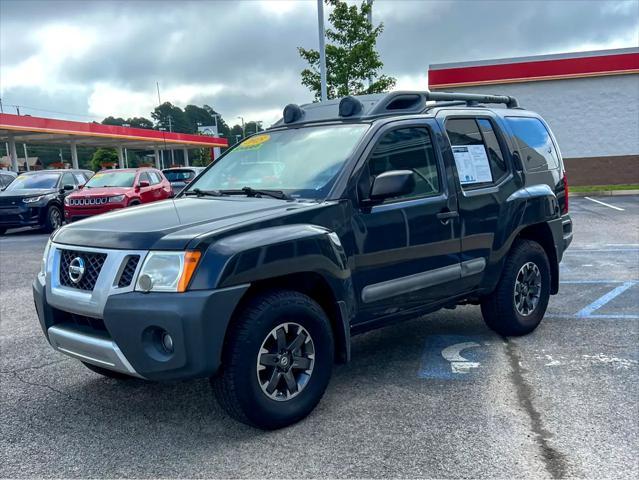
77	213
129	338
20	216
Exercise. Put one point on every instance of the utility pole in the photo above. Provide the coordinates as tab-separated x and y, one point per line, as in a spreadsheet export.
322	49
243	127
26	157
172	152
370	22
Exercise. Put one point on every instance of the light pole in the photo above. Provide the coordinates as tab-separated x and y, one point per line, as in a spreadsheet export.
258	125
322	49
243	129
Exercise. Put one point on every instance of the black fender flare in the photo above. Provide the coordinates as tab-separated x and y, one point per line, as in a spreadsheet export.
533	207
275	253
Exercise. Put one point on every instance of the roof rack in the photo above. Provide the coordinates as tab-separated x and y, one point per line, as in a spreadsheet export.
376	105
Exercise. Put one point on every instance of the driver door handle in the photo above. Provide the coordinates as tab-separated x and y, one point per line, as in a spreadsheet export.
445	216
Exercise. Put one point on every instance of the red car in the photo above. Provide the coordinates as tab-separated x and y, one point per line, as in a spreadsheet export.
111	189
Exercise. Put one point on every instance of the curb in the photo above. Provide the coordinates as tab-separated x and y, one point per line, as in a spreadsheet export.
604	193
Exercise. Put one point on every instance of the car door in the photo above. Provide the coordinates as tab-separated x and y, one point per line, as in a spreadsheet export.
67	178
146	193
483	178
407	248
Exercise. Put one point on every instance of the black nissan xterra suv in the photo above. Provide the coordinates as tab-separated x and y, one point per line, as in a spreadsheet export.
344	216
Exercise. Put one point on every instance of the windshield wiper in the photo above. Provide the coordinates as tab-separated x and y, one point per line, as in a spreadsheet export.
253	192
204	193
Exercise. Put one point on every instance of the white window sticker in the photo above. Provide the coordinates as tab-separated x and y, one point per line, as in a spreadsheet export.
472	164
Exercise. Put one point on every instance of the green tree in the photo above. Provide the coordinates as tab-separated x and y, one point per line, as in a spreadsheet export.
351	56
113	121
140	122
172	118
103	156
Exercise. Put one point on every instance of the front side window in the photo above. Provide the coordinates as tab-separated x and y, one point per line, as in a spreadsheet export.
155	178
535	145
404	149
67	179
111	179
35	181
302	162
478	156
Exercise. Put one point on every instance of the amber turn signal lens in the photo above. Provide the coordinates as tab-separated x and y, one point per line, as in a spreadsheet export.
191	260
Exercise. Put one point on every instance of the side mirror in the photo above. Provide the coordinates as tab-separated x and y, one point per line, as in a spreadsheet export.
68	188
144	183
80	187
392	184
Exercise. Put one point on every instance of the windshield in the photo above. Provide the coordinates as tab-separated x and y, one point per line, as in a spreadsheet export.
34	181
302	162
111	179
179	175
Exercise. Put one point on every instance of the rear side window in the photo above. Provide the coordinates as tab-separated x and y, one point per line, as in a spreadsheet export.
155	178
535	145
478	156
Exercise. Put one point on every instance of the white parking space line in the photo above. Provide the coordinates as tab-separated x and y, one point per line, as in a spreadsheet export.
604	204
600	302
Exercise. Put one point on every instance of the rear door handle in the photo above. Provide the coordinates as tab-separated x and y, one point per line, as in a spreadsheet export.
444	217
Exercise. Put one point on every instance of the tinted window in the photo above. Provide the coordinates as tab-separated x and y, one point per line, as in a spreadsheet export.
34	181
5	180
179	175
478	156
535	145
404	149
67	179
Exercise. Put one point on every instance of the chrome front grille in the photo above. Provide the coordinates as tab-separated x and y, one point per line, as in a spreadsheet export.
87	201
92	266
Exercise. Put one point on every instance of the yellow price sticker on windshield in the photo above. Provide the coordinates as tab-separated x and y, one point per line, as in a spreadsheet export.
254	142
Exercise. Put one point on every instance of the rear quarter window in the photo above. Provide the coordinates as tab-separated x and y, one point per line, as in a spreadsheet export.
535	145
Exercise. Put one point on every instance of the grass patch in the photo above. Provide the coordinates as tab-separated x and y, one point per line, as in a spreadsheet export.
600	188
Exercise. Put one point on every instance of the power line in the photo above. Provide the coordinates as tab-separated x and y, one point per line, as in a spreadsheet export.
17	107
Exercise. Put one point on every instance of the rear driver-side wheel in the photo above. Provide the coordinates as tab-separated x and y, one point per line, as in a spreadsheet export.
519	302
277	361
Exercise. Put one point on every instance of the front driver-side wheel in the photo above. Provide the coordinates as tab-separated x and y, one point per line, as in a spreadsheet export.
277	360
519	302
53	220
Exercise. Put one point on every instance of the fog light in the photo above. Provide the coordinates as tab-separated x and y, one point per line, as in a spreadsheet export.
167	342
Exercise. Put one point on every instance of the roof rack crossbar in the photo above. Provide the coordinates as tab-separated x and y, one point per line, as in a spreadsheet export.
472	98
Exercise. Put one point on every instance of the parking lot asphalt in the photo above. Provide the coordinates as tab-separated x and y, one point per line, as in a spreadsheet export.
440	396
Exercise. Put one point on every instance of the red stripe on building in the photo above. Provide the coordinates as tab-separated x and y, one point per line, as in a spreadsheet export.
50	125
534	70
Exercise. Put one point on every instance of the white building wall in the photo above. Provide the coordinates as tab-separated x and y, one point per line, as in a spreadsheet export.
591	117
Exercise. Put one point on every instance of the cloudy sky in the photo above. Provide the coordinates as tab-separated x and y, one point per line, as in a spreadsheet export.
85	60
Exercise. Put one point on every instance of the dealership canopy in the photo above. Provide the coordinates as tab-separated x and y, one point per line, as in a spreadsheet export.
27	129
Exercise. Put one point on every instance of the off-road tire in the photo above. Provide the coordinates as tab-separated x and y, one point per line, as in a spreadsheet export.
49	222
106	373
237	387
498	308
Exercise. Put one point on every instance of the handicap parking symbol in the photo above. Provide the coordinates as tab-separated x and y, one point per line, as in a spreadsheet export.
452	357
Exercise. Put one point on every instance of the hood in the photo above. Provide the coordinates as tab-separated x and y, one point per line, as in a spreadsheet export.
100	192
172	224
27	192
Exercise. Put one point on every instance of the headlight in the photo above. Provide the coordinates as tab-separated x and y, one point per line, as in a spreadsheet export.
116	199
167	271
33	199
45	256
